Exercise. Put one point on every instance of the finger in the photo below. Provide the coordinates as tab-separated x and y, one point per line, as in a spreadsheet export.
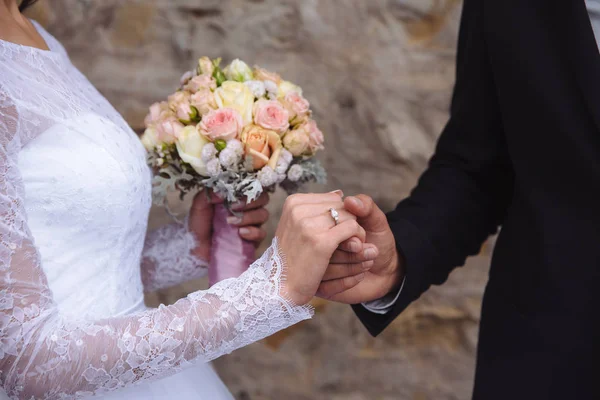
312	198
253	217
352	245
337	271
344	231
368	253
369	215
329	289
215	198
201	201
261	201
253	234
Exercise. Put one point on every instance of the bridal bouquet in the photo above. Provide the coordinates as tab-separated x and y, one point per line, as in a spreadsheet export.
237	131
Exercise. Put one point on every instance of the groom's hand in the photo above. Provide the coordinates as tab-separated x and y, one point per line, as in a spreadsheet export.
387	271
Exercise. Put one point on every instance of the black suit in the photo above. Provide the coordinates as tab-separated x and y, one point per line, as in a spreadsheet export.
521	150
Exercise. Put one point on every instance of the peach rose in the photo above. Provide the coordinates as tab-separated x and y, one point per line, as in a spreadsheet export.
204	101
263	145
224	123
297	141
271	115
262	74
297	106
201	82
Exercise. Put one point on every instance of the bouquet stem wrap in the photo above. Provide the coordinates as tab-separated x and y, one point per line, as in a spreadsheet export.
230	254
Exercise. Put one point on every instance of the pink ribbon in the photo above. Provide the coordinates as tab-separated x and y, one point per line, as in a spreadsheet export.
230	254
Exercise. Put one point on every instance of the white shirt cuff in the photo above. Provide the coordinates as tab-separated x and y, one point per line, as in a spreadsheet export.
384	304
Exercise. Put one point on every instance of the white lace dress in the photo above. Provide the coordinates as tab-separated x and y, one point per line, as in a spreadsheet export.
74	204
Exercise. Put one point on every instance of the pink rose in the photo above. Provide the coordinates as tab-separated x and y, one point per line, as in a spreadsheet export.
315	135
201	82
158	111
271	115
168	129
204	101
261	74
297	106
224	123
179	103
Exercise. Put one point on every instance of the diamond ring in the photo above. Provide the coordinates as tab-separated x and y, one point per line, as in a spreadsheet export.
335	215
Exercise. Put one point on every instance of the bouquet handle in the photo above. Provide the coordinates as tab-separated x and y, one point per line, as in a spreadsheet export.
230	255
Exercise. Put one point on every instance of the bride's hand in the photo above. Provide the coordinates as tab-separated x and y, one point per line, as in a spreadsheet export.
254	215
308	236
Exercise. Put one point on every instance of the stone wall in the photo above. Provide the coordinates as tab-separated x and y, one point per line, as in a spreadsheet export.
379	74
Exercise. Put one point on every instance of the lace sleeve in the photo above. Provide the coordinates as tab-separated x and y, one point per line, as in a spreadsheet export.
46	355
168	258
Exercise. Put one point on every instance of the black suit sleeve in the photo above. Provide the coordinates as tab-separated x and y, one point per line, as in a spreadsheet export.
463	195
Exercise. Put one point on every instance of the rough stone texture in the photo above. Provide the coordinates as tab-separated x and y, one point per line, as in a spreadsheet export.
379	74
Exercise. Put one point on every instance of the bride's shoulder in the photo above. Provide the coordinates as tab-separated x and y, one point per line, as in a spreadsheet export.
53	44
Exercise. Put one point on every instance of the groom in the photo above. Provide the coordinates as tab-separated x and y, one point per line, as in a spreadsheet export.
521	150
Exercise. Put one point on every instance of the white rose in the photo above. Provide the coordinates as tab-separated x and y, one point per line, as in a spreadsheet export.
257	88
150	139
189	146
238	71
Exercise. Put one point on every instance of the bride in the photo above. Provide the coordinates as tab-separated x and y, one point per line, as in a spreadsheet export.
74	203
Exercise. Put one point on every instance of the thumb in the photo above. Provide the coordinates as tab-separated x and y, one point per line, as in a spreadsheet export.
369	216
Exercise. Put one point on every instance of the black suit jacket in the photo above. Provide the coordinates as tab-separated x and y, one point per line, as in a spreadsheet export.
521	150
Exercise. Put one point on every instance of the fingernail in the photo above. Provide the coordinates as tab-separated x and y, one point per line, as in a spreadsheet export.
354	245
233	220
356	201
360	277
244	231
338	192
370	253
367	265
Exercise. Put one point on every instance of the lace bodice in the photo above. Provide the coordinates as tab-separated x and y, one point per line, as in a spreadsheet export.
74	203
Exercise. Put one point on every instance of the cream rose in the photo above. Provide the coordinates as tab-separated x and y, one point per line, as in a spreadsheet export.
204	101
262	74
150	139
263	145
297	106
238	71
201	82
205	66
189	146
224	123
271	115
297	141
286	87
238	96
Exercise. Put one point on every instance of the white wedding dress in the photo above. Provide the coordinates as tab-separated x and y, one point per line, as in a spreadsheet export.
75	260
